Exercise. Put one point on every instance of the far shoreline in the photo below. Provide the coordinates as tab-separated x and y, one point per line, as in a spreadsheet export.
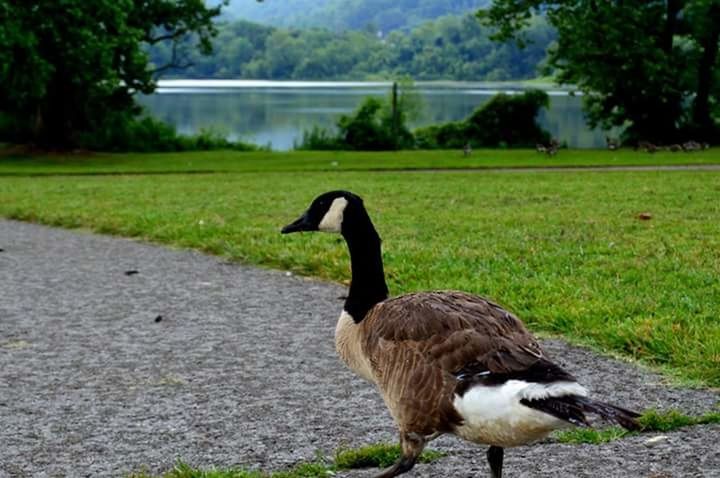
471	87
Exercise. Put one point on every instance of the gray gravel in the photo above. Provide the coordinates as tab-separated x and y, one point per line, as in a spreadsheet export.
239	370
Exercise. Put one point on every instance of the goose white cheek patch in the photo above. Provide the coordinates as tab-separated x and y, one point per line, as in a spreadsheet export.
332	221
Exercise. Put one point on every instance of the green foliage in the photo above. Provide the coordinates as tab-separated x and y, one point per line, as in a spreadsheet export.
590	436
122	132
657	421
647	66
451	47
320	139
374	126
378	455
504	121
68	67
341	15
651	421
365	129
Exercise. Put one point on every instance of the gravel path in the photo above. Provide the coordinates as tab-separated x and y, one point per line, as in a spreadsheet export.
102	373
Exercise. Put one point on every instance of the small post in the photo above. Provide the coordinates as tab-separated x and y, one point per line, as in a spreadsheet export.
395	113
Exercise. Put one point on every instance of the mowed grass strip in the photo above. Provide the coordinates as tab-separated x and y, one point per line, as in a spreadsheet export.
568	252
263	161
378	455
651	421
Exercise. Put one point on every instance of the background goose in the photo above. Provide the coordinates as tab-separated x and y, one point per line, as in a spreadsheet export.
445	362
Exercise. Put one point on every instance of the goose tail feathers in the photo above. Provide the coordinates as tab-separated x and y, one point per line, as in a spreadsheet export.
572	409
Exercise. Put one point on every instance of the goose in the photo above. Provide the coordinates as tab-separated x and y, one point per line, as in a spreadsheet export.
445	362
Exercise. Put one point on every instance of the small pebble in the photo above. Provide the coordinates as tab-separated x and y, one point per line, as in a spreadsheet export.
131	272
288	273
158	318
655	440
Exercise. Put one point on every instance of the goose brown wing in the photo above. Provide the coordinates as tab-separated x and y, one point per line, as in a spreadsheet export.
426	347
454	330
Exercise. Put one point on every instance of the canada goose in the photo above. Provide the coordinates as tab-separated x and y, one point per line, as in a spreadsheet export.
467	149
691	145
445	362
612	143
646	146
550	149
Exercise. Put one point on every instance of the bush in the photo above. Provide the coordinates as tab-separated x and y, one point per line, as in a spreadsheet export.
372	127
366	129
505	120
123	133
320	139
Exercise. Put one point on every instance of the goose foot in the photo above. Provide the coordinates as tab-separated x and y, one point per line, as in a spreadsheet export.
412	445
495	459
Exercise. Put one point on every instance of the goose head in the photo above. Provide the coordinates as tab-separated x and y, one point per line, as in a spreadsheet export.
333	211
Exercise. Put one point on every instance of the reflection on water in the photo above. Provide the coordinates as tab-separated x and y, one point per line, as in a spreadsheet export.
276	113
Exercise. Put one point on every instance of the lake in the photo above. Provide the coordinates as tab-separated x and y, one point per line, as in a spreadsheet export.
277	112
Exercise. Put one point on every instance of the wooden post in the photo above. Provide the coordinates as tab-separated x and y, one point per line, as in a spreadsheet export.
395	113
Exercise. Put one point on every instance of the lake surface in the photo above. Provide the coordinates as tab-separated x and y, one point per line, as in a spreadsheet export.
277	112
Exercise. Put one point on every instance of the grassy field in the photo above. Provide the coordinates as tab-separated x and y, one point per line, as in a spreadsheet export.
566	251
229	161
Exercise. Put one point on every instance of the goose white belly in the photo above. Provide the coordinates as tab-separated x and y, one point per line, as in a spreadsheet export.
348	344
493	415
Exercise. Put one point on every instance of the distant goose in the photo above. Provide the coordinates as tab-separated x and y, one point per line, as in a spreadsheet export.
445	362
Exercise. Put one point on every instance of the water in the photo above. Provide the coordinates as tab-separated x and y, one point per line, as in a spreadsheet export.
277	112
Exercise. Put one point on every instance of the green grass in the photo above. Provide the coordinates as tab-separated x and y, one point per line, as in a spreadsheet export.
380	455
651	421
565	251
230	161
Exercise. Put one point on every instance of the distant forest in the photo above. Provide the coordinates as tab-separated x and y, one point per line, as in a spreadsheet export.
341	15
448	48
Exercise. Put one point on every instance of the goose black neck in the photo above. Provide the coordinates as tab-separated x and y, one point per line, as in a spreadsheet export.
367	287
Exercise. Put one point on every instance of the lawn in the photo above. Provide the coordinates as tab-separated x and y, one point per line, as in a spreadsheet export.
230	161
567	251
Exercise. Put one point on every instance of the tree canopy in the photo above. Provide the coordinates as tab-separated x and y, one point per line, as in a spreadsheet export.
68	66
448	48
649	66
342	15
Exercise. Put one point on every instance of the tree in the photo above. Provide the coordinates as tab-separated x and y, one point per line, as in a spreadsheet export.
647	65
504	121
67	66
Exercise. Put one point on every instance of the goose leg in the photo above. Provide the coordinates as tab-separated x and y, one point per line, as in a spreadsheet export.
412	445
495	458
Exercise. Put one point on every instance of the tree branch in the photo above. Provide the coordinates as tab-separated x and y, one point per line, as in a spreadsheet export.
175	62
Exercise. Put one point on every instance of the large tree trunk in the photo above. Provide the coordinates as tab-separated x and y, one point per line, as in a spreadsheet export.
701	107
54	120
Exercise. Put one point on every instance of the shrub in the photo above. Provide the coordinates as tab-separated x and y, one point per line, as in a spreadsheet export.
123	133
320	139
374	126
365	129
505	120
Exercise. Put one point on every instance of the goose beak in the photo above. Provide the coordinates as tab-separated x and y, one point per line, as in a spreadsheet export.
301	224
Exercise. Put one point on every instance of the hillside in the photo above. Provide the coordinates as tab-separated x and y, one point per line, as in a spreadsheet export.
340	15
448	48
